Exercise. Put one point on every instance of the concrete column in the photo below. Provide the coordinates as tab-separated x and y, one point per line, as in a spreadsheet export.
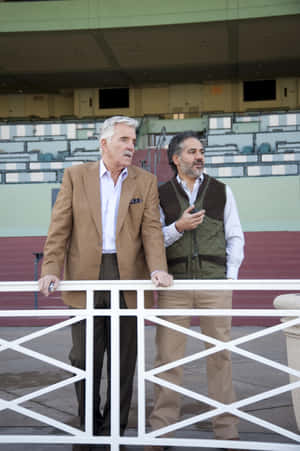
283	302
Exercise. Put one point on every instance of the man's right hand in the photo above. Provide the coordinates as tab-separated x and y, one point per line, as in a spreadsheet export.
189	220
48	284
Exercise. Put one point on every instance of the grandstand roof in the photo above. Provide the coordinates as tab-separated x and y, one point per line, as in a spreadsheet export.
47	61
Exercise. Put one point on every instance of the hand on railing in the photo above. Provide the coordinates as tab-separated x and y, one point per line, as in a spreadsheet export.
162	279
48	284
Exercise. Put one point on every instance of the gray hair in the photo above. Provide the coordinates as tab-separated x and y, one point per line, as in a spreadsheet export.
108	127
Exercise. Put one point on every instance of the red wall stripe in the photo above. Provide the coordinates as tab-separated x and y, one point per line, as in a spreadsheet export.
268	255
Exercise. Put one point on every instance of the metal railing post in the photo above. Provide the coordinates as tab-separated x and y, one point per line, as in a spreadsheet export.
37	257
115	369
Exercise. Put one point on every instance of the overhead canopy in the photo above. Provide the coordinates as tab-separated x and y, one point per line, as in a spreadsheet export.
241	49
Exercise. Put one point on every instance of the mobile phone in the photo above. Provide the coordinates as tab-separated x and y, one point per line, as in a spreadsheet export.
51	287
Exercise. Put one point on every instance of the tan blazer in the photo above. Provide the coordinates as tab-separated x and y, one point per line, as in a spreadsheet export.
75	235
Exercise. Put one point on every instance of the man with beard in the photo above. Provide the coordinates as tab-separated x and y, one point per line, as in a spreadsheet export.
203	240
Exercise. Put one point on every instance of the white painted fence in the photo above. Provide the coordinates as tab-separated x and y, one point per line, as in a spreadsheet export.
70	434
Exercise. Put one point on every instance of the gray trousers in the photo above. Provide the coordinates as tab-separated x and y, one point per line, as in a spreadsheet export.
128	350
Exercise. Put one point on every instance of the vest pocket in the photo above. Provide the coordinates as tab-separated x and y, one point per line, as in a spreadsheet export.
212	270
210	237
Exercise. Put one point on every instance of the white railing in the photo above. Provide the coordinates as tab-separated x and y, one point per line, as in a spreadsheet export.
74	435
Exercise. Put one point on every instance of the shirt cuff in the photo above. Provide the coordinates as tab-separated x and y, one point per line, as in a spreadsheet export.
174	232
154	272
232	272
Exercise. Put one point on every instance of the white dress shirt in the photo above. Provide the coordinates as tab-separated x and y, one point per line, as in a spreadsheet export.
110	198
233	231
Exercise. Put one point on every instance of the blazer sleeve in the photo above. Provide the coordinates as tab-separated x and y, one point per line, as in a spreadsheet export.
60	229
152	236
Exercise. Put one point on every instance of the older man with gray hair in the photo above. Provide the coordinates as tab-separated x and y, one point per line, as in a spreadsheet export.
105	225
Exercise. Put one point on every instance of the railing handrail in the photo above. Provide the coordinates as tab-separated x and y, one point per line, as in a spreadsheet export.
186	284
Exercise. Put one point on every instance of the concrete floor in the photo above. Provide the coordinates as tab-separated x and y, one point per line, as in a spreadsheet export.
20	375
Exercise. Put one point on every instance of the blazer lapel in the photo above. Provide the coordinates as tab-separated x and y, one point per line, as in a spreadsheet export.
128	188
92	187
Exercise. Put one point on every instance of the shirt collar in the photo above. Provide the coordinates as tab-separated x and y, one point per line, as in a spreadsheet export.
199	180
104	171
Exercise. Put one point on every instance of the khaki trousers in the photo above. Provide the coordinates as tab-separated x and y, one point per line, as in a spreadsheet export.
171	345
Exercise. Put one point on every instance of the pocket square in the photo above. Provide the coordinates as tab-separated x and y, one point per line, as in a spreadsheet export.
136	200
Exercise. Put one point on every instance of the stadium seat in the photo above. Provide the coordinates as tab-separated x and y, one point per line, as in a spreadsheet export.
246	150
264	148
46	157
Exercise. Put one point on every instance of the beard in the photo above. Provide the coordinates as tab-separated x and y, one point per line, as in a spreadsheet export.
191	170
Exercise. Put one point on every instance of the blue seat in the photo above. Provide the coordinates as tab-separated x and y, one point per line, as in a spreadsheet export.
265	148
246	150
46	157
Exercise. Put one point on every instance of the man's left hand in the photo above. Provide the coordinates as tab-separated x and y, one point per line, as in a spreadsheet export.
162	279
